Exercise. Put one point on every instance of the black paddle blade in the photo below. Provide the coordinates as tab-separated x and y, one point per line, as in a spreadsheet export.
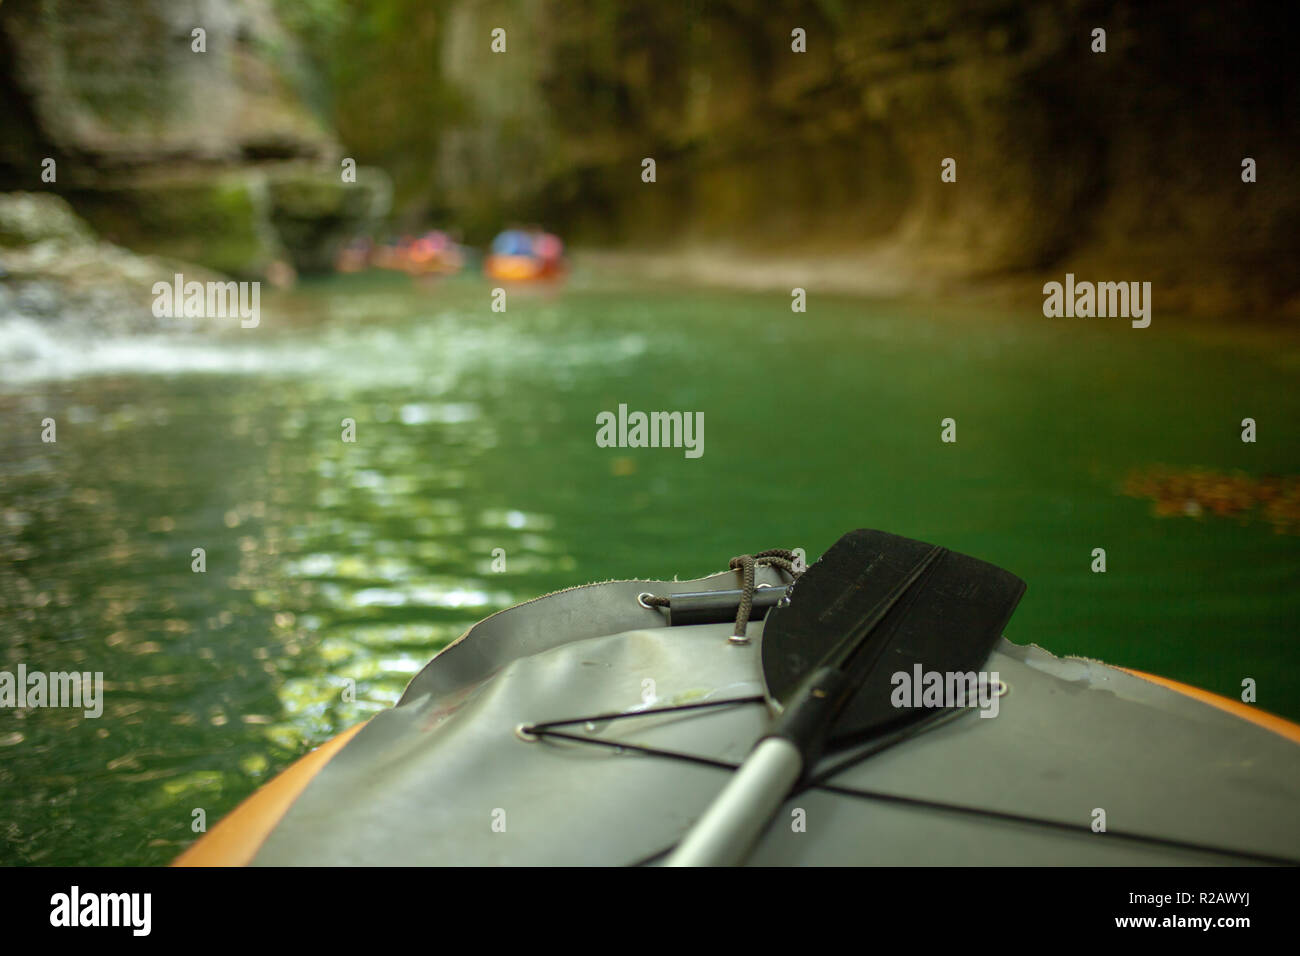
947	622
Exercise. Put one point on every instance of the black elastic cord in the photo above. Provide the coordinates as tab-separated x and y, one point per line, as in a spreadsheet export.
540	729
1076	828
638	748
820	782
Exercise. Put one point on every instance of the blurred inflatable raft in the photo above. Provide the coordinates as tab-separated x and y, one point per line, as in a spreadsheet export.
520	255
432	253
593	726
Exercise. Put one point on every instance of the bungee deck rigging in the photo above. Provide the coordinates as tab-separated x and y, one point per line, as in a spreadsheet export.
824	780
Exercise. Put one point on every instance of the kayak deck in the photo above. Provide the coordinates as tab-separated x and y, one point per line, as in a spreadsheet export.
444	777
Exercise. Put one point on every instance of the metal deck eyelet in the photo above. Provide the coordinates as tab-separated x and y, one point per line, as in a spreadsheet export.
521	731
640	599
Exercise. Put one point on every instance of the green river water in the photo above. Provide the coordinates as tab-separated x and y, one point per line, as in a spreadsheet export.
329	561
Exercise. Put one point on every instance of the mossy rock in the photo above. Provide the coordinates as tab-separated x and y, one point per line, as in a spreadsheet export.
27	218
240	222
220	222
314	213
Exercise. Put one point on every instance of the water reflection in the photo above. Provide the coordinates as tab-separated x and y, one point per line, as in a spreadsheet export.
334	570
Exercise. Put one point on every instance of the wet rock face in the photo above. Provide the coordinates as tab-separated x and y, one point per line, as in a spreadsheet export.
199	154
1127	163
122	84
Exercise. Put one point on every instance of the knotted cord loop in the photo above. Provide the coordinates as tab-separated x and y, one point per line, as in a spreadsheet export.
782	558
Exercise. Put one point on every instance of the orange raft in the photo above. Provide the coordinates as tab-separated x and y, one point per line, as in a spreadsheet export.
507	268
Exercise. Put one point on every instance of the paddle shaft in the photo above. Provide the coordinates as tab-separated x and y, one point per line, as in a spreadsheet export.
725	833
731	825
